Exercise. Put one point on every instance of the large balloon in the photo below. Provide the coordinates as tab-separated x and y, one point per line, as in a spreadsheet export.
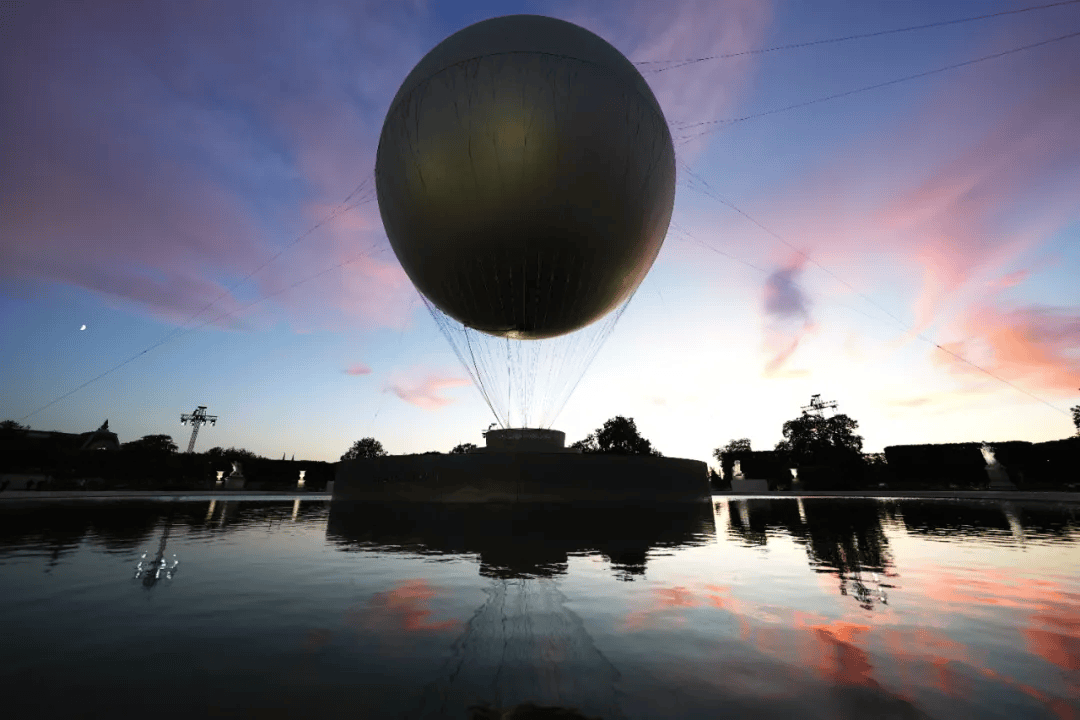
525	177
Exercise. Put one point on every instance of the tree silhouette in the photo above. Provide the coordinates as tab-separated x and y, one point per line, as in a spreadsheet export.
618	436
815	440
1076	417
233	453
152	445
15	452
587	444
743	444
365	448
463	449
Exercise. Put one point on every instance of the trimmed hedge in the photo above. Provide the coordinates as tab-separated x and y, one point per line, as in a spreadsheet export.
939	464
770	465
127	469
1053	464
265	474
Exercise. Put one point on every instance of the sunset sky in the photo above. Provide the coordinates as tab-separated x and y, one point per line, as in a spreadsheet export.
164	162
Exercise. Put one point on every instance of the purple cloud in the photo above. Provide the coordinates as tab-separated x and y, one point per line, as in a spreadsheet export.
787	315
160	152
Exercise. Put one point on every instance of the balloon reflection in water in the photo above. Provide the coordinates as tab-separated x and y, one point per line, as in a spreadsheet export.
524	644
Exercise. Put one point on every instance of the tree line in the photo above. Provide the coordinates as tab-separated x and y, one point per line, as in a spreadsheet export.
810	441
150	462
617	436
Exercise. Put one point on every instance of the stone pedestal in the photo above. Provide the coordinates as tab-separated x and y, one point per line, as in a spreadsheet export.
526	440
235	481
742	485
999	478
995	471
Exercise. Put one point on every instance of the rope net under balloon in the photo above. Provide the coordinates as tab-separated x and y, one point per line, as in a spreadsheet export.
526	383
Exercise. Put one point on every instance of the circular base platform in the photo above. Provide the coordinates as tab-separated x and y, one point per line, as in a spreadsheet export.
524	477
526	440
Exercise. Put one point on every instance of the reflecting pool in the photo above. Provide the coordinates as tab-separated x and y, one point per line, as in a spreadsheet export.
762	608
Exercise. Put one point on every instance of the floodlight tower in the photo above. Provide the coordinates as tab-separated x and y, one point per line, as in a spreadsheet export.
817	406
197	420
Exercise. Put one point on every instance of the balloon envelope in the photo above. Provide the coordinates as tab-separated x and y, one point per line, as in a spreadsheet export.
525	177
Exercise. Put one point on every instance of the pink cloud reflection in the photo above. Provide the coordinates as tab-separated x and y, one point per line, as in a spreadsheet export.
889	655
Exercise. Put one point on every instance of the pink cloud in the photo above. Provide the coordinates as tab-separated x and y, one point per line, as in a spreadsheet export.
983	177
426	392
370	286
1033	344
358	369
914	402
952	222
158	156
1004	191
1007	281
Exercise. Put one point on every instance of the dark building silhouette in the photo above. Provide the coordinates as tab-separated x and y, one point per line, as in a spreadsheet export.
100	439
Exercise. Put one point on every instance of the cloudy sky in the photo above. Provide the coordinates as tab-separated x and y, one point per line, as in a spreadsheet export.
193	183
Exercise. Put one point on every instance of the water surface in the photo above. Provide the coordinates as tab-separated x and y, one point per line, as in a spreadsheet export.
785	608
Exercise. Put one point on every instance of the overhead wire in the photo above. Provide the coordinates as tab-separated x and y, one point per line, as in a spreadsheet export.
397	353
731	121
183	330
598	341
708	192
525	383
846	38
342	208
690	237
598	338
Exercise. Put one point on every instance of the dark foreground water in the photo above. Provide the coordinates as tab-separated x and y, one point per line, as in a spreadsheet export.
783	608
